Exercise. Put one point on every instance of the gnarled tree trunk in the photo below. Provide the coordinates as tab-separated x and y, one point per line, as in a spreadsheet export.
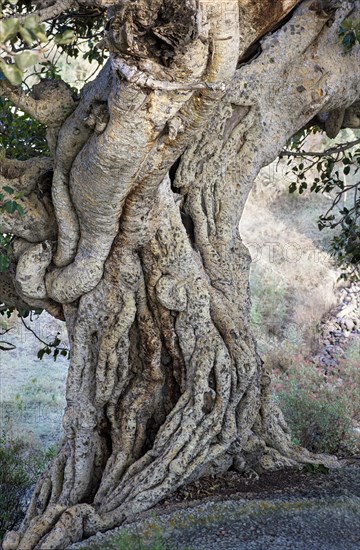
150	175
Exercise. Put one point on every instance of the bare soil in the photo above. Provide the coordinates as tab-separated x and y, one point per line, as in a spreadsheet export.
300	482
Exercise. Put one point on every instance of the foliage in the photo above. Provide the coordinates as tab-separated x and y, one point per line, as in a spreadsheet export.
4	247
8	201
321	408
53	347
332	168
16	36
128	541
334	172
21	137
25	42
349	33
20	466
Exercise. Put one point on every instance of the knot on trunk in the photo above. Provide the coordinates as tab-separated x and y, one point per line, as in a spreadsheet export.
171	293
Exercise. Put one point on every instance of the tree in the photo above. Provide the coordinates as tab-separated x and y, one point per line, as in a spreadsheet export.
138	247
333	165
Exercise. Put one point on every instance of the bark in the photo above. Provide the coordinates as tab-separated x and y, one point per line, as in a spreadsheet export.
151	174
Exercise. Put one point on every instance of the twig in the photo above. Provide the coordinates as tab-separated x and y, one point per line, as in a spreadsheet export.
338	149
46	13
40	339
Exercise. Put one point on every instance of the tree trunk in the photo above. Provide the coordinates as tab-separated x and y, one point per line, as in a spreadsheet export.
151	175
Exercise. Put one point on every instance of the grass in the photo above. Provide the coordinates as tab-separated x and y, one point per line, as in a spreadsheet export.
292	283
322	409
21	464
130	541
32	390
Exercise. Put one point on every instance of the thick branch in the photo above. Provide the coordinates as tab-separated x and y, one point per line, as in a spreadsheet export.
51	102
8	294
30	178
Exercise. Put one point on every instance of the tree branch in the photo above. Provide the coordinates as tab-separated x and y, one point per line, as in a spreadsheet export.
47	344
48	11
8	294
331	151
24	175
51	102
38	222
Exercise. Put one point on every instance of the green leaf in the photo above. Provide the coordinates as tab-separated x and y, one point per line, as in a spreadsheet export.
9	190
12	73
27	37
41	353
20	209
10	206
26	59
31	23
317	468
4	263
41	34
65	38
8	29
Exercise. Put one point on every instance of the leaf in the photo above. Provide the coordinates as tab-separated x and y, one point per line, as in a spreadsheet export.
27	37
12	73
41	34
9	190
31	23
317	468
10	206
20	209
8	29
26	59
41	353
64	352
65	38
4	263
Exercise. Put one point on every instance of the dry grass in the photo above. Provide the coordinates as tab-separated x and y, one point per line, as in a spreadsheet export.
292	277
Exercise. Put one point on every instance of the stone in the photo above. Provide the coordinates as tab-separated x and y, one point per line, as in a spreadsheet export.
349	324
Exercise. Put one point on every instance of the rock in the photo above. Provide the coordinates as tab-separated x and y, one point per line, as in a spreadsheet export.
349	324
345	312
11	541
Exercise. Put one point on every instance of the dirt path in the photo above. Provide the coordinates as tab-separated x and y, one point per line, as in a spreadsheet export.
289	510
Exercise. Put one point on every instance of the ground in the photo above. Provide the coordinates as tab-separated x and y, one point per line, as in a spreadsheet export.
289	509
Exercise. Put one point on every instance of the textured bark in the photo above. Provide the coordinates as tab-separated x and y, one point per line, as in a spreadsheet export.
151	174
